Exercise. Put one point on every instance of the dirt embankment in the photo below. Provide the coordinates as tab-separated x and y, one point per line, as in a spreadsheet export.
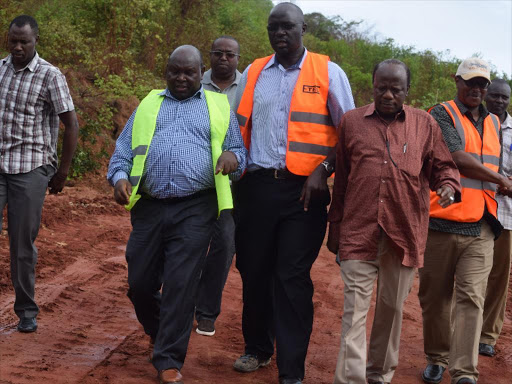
88	332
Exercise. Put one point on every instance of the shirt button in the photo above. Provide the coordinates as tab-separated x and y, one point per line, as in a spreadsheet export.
382	201
383	181
385	162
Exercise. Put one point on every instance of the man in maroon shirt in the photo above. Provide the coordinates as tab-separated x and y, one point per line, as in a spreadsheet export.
388	157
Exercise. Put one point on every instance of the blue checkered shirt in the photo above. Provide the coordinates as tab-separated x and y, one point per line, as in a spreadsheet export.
179	161
271	108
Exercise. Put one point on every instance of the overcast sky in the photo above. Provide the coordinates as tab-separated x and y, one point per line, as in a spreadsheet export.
459	28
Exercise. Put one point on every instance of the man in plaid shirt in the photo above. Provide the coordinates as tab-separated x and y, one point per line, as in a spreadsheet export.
497	101
33	97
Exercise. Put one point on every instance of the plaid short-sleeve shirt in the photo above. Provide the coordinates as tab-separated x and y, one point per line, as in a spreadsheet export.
505	202
30	101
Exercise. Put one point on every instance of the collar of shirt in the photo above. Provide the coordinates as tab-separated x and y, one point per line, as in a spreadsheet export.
298	65
465	110
31	66
199	94
207	78
507	124
370	111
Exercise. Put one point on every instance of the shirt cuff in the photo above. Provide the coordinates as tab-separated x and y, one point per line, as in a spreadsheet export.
118	176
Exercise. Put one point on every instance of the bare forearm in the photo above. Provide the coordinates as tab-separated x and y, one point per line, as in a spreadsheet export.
472	168
69	141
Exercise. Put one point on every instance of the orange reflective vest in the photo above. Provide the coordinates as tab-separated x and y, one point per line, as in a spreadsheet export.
476	194
311	132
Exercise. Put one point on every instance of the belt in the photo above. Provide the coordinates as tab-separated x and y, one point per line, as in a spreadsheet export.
172	200
283	174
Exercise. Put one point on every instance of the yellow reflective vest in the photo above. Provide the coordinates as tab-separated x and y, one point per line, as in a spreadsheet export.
144	128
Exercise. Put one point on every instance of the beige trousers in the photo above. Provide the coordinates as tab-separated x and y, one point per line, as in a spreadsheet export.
460	263
393	286
497	287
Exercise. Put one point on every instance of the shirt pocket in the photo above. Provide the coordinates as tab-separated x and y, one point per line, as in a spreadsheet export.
406	158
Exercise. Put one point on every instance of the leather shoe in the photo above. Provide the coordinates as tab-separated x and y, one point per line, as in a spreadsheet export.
290	381
486	350
171	375
433	373
27	324
466	380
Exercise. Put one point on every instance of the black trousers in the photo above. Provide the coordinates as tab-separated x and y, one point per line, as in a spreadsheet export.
277	243
166	250
216	268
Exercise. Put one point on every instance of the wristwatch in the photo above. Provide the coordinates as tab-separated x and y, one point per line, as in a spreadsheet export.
328	167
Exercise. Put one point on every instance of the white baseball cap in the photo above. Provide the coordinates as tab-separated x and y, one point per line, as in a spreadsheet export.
474	67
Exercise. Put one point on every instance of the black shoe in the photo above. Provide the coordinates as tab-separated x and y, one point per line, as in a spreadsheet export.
486	350
433	374
27	324
290	381
466	380
206	327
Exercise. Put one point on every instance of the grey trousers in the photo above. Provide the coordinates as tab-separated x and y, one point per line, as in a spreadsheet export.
497	289
24	195
216	269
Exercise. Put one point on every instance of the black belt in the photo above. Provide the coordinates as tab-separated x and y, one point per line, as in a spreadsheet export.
284	174
172	200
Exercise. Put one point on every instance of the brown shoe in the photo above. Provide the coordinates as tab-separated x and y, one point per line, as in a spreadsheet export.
172	375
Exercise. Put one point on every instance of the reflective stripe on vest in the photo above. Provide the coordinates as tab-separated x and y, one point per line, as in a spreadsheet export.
311	132
476	194
144	125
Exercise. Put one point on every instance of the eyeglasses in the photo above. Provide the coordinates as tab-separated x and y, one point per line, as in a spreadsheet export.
476	83
229	55
274	27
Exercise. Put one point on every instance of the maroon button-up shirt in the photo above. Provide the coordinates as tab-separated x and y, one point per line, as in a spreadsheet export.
376	187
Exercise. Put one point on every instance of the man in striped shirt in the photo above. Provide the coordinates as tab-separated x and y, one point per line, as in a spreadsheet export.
34	96
288	105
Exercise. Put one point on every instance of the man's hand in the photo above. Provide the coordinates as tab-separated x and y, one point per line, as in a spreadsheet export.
446	195
505	188
315	186
227	163
333	239
57	182
122	191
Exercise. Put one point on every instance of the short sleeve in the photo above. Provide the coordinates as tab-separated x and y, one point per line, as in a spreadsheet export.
58	94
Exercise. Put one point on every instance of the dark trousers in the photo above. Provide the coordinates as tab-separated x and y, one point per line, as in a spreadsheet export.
24	195
216	268
276	245
166	250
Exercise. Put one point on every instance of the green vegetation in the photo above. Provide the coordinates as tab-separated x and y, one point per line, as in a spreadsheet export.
113	52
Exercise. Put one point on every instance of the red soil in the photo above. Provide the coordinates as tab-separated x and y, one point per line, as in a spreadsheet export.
88	332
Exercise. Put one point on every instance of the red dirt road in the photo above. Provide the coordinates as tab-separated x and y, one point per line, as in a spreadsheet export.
88	332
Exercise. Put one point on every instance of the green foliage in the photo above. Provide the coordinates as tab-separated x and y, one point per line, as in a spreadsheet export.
112	50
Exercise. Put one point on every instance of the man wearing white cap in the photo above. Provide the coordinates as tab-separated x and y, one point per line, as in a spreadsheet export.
459	252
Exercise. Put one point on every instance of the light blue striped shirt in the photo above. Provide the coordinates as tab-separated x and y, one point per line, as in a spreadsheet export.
271	108
179	161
